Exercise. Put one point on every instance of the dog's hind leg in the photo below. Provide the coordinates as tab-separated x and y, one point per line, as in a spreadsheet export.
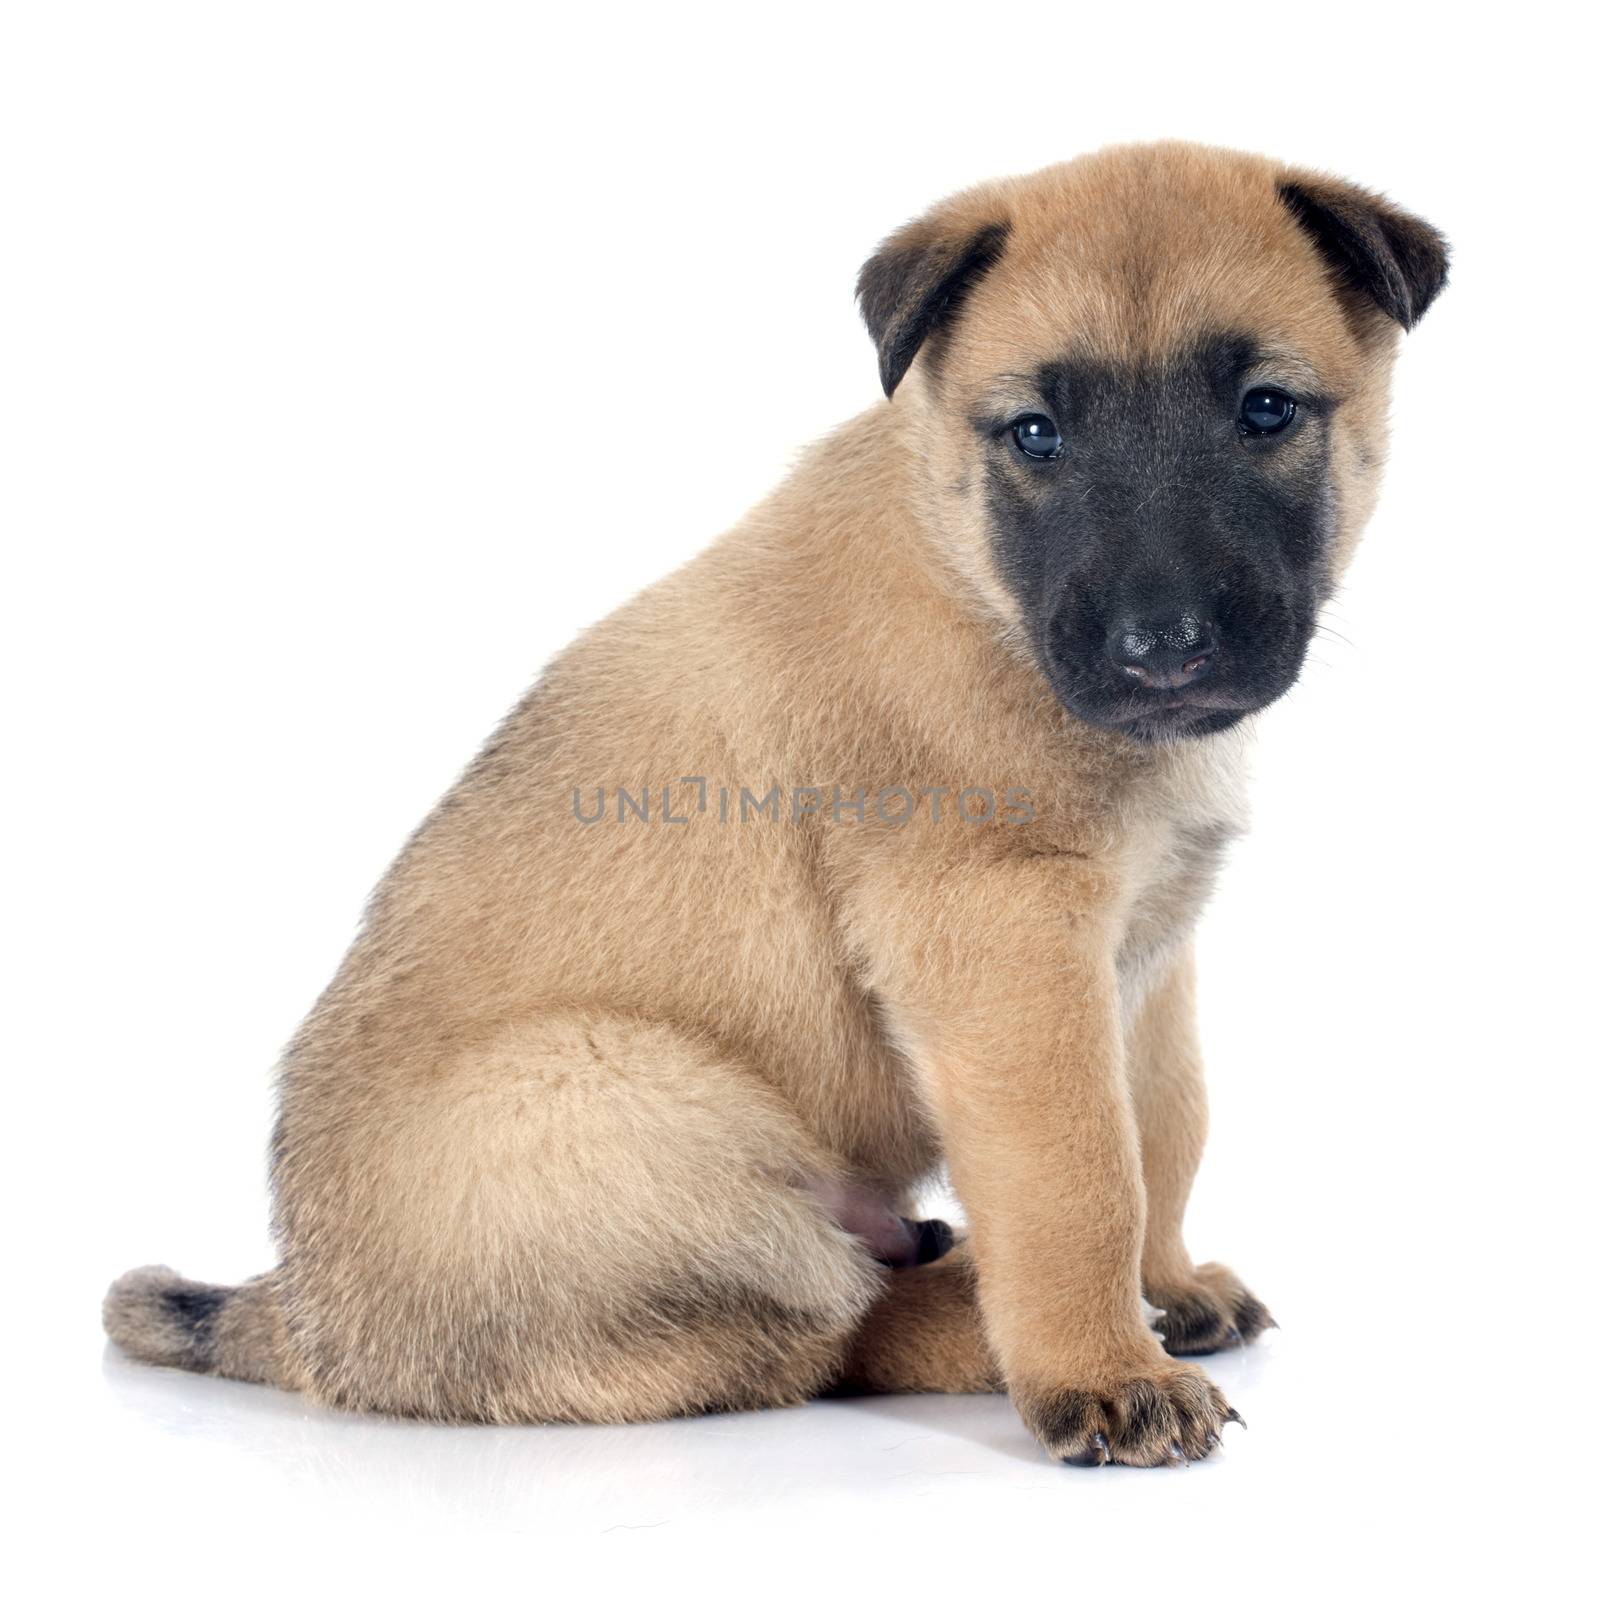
584	1218
578	1217
924	1334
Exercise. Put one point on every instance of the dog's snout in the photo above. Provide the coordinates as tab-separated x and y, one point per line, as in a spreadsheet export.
1163	653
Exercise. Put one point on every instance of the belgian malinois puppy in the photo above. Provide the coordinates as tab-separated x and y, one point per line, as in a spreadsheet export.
870	842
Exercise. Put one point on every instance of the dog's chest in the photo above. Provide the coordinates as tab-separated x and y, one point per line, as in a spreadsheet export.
1180	832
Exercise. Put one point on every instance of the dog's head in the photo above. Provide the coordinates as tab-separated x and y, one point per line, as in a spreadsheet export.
1145	399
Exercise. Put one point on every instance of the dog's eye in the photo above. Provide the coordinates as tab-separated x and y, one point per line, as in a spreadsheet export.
1037	436
1265	411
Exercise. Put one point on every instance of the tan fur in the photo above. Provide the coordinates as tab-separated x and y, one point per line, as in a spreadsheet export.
551	1140
924	1334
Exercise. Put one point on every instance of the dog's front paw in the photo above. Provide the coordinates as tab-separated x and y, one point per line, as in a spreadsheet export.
1170	1416
1211	1311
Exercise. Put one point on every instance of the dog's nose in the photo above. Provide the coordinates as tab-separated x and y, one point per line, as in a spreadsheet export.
1164	653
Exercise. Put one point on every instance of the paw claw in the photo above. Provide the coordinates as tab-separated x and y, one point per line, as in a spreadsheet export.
1233	1416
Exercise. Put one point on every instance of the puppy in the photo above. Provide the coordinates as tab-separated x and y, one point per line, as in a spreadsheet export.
869	843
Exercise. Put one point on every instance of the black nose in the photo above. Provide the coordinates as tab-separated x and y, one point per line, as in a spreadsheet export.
1164	652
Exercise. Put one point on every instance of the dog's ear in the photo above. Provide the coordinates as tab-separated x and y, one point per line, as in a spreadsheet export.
1373	248
915	284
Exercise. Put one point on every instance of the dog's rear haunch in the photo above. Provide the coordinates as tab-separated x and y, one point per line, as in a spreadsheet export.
619	1120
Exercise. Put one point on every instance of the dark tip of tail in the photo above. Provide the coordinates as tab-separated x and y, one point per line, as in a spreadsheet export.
155	1315
195	1307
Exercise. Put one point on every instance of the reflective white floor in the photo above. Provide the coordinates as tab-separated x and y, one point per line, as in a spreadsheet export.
947	1493
592	1481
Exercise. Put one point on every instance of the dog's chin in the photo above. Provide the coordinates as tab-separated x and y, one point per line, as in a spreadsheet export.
1164	720
1168	725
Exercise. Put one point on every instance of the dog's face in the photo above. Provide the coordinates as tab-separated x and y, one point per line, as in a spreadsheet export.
1148	404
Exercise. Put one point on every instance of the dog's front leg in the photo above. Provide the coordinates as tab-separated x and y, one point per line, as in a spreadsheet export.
1203	1308
1002	983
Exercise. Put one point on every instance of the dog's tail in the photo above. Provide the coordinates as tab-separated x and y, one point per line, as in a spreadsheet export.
156	1316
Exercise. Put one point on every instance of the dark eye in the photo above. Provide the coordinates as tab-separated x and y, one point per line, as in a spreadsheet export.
1037	436
1265	411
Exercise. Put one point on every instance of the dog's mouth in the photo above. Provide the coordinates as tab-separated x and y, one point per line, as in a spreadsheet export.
1156	715
1200	700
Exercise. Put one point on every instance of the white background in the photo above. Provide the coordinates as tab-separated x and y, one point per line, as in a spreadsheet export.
355	356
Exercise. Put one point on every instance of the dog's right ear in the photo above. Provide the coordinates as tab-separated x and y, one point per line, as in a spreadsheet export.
913	287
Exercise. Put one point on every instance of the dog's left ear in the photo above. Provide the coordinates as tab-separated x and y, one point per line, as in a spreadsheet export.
913	287
1386	255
